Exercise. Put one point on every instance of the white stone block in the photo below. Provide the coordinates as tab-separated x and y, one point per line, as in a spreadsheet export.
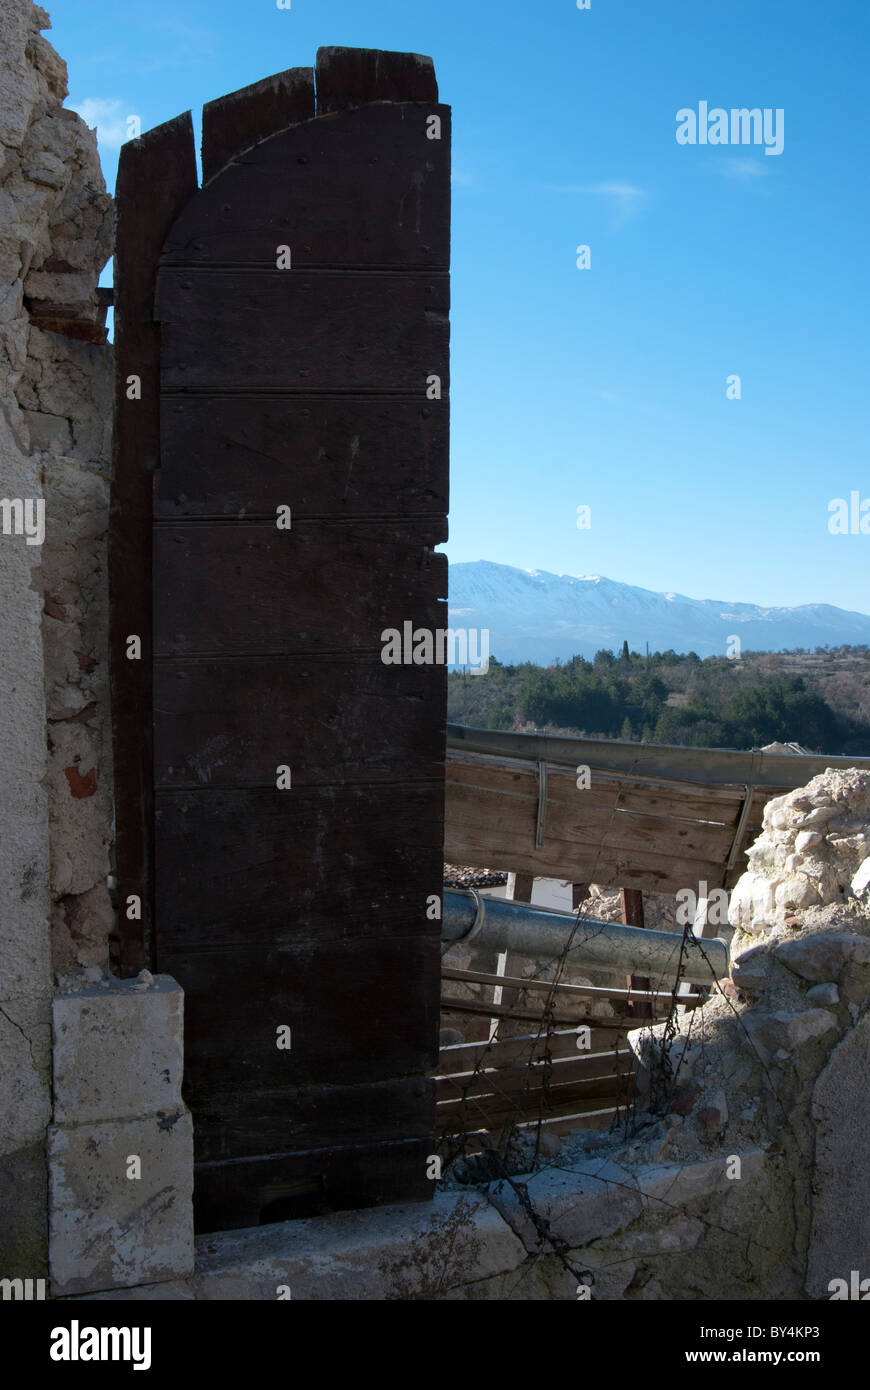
861	879
840	1234
580	1205
107	1229
675	1186
412	1250
118	1051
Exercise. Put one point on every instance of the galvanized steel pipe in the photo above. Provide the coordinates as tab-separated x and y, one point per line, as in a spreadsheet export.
499	925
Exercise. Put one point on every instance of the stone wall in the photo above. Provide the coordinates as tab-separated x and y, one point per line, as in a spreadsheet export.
777	1062
55	428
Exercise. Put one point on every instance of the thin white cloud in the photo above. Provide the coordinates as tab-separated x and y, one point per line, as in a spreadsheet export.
624	198
181	44
616	190
746	169
110	118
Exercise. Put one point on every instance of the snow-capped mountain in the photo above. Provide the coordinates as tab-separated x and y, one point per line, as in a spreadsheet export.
535	616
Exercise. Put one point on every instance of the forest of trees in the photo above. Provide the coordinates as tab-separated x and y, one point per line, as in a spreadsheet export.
819	699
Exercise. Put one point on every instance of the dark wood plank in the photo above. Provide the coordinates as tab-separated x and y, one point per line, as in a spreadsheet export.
509	1080
303	330
574	818
358	1011
237	121
551	1017
631	903
244	456
540	1099
485	829
579	991
477	1140
532	1047
156	176
650	873
252	1191
251	589
242	1123
319	189
579	1098
352	76
232	723
304	908
611	791
777	773
264	868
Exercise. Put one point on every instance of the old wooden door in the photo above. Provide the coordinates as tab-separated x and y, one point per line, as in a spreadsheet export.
281	480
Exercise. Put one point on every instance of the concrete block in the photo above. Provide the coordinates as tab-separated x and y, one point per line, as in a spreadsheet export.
675	1186
826	996
118	1050
108	1230
824	956
404	1251
23	1205
750	970
543	1279
580	1205
171	1291
840	1233
397	1252
49	432
25	1072
606	1274
769	1034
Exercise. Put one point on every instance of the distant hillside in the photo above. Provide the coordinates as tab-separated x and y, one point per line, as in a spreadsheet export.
818	699
540	617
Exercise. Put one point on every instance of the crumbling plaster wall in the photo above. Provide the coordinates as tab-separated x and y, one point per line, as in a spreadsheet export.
55	433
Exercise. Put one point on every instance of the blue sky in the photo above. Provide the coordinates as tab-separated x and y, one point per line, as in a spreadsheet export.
605	387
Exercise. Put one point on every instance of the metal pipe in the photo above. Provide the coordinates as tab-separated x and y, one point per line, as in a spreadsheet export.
497	925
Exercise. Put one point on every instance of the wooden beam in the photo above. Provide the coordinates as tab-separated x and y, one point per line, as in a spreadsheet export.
584	991
466	1006
532	1047
631	902
349	77
483	830
480	1140
584	826
609	790
234	122
520	887
505	1080
584	1098
712	766
740	832
156	177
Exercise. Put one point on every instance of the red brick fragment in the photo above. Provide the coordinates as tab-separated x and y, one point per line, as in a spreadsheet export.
79	786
